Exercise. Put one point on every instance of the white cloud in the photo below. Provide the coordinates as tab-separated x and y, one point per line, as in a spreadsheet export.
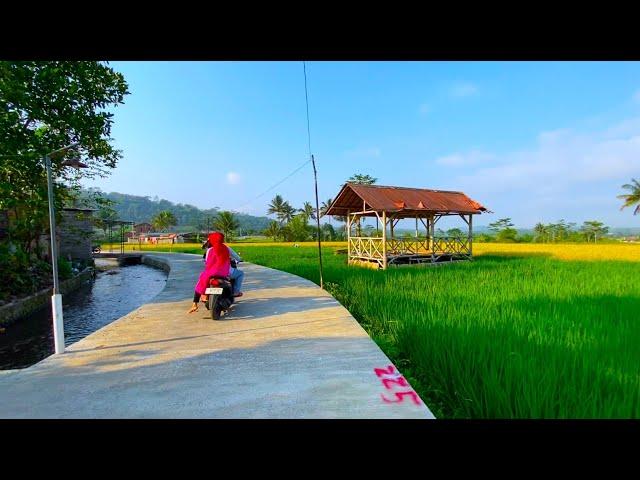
233	178
465	89
557	177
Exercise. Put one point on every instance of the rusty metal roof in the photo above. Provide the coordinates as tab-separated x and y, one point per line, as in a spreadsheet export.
404	202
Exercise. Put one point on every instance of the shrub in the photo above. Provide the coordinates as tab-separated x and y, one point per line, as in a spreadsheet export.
64	269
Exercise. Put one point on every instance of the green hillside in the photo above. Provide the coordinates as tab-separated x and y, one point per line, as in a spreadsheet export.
140	209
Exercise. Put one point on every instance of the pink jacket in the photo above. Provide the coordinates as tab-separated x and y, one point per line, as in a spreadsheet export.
213	267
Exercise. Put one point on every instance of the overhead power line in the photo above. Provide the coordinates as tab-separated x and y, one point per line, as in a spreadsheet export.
275	185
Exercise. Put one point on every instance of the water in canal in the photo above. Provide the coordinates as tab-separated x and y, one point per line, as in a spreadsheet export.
114	293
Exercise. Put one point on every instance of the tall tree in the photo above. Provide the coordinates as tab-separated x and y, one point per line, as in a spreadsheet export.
227	224
288	212
308	211
277	207
324	208
45	105
164	220
540	231
500	224
326	205
594	229
328	233
633	197
297	230
273	230
504	230
362	179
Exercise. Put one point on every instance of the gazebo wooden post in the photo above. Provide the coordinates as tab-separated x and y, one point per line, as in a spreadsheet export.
416	227
391	226
364	209
470	234
384	240
432	233
348	237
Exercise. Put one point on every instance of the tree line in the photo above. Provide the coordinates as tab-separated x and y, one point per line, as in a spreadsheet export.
292	224
561	231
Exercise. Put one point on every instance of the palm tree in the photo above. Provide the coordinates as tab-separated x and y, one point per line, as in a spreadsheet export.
540	230
325	206
633	198
164	220
273	230
287	212
308	211
276	207
283	210
226	223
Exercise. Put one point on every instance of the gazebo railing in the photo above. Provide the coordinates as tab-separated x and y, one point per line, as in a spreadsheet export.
457	245
366	247
371	248
405	246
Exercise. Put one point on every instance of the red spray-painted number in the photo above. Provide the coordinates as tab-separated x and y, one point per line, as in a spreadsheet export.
398	381
390	370
400	397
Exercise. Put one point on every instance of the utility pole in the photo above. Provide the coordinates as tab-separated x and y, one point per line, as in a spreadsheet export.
315	177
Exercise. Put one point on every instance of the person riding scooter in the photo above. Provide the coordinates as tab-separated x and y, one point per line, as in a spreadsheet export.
236	275
217	263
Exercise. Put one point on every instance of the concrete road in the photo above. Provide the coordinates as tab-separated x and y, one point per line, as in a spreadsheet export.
287	349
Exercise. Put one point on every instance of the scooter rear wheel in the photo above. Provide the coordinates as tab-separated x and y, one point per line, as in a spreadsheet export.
213	307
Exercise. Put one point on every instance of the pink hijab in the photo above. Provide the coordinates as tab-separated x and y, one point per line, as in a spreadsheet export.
218	262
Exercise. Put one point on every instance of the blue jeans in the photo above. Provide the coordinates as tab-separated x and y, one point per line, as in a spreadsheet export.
237	276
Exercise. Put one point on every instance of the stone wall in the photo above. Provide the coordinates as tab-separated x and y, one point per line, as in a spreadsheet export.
156	262
74	233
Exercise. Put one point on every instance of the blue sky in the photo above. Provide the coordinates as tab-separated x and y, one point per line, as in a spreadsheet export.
534	141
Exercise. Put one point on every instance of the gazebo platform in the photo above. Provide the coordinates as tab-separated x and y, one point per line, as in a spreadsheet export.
390	205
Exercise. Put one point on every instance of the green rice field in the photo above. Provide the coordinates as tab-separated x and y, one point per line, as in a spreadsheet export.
517	336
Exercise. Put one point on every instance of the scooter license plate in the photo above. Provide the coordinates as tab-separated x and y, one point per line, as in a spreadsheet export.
213	291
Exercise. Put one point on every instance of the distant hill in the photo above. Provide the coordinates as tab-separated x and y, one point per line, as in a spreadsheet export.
625	231
139	209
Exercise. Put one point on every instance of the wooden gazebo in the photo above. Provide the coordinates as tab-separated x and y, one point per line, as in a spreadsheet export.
392	204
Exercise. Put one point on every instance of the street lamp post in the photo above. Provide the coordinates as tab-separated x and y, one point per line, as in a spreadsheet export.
56	298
